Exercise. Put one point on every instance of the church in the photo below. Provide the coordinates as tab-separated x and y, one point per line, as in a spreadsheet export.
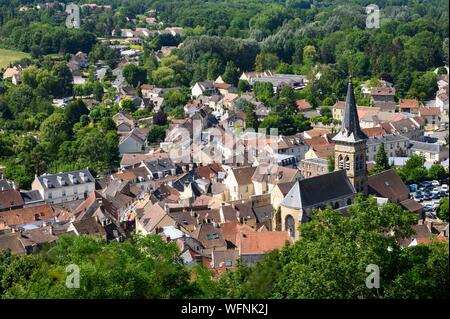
336	189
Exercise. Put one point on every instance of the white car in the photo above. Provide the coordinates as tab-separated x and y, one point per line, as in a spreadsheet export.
435	191
444	188
435	183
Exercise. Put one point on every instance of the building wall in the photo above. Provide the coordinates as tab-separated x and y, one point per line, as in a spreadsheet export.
392	148
63	194
296	214
260	188
357	175
130	146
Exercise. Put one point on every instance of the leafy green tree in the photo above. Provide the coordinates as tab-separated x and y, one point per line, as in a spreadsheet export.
128	105
413	171
54	131
174	98
381	160
437	171
74	110
145	268
251	120
423	273
177	113
266	61
164	77
442	211
243	86
263	91
134	74
326	112
329	260
62	73
331	163
156	134
231	74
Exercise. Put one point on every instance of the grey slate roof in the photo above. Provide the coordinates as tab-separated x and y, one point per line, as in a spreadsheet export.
387	138
315	190
426	147
159	165
350	129
66	179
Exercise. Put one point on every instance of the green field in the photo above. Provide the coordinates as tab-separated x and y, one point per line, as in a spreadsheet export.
8	56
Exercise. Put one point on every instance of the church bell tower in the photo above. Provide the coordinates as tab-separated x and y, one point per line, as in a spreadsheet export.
350	147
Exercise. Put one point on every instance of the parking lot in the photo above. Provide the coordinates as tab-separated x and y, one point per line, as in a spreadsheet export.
429	195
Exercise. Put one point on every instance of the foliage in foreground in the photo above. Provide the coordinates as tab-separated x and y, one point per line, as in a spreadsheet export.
329	261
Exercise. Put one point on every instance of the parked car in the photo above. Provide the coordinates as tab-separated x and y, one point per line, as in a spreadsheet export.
425	184
435	191
436	196
444	188
427	195
418	197
435	183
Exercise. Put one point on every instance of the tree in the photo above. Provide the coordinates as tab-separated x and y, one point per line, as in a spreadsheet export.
54	131
146	267
263	91
97	91
442	211
381	160
231	74
174	98
437	171
128	105
413	170
266	61
134	74
64	86
164	77
160	118
326	112
74	110
156	134
243	86
251	120
330	259
177	113
331	163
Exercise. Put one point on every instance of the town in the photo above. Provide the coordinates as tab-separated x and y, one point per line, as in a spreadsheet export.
118	138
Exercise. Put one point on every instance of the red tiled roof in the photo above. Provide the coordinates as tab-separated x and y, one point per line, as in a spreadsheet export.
262	242
429	111
10	198
382	91
303	105
27	215
409	104
374	131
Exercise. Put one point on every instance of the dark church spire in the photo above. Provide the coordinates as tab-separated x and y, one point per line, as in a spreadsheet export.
350	129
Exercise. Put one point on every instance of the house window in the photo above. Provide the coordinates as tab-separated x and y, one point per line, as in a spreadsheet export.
50	195
349	201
